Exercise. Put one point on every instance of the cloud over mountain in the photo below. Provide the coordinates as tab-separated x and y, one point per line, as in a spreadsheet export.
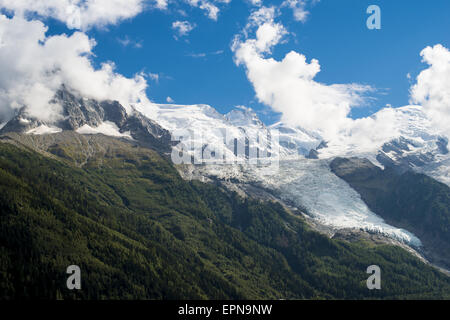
34	66
432	89
79	14
288	86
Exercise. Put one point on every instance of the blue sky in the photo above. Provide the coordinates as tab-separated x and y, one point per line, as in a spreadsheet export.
199	67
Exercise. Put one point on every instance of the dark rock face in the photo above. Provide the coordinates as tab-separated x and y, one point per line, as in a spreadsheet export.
314	153
78	111
148	132
406	200
20	123
349	167
114	112
442	145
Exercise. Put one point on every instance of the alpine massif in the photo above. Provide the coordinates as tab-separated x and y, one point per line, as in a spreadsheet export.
98	189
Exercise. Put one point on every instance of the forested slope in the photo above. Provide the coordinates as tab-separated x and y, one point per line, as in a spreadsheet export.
408	200
138	231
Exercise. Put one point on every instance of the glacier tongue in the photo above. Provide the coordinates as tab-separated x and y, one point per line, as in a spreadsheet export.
307	184
330	200
311	186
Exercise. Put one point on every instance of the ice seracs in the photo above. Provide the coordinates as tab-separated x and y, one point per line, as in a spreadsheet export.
242	123
307	184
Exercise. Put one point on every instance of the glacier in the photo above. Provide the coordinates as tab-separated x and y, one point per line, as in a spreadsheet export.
307	184
301	176
310	186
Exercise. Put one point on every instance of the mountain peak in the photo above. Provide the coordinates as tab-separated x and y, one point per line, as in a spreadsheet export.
243	117
89	116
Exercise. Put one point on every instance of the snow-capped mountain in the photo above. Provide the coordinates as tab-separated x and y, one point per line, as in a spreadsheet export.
298	179
297	141
87	116
418	147
309	186
410	142
302	176
242	124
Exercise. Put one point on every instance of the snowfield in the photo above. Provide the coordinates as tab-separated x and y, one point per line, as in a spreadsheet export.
311	186
306	183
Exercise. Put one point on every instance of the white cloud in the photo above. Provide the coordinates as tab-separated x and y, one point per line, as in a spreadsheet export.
154	76
182	28
197	55
205	54
161	4
256	2
127	42
79	14
299	9
288	85
170	100
211	9
432	89
85	14
260	16
34	66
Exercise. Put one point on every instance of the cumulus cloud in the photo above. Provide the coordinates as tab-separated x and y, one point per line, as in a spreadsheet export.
256	2
432	89
288	86
86	14
161	4
79	14
260	16
182	28
34	66
210	7
298	8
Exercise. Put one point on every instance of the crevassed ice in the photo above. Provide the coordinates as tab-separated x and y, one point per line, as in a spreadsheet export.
311	185
327	198
308	184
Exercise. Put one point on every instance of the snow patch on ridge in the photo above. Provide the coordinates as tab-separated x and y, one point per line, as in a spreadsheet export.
43	129
107	128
